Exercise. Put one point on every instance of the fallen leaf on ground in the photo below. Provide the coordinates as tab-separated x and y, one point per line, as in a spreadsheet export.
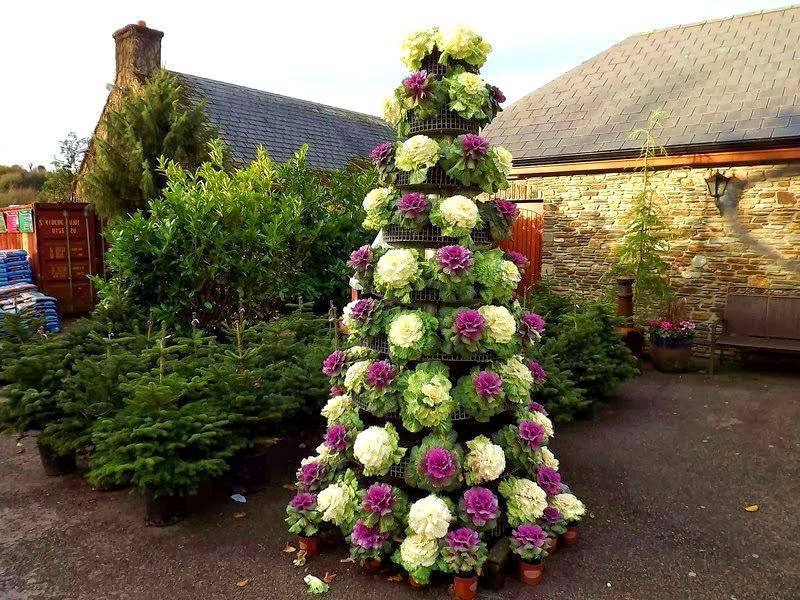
242	583
395	579
289	549
239	515
751	508
348	559
290	487
328	577
301	559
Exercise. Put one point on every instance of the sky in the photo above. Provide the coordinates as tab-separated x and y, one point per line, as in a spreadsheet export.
58	56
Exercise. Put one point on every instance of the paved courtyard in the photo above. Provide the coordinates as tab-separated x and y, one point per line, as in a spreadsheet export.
666	470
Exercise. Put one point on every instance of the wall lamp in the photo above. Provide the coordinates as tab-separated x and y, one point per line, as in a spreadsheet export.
717	185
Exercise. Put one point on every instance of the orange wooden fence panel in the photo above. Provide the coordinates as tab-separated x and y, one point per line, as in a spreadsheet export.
527	239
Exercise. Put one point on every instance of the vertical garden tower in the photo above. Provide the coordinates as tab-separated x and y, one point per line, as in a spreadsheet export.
436	447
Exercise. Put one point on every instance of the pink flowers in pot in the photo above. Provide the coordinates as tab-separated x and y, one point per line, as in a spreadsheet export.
369	538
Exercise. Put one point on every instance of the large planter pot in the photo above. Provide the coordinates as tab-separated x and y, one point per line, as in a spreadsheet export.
55	464
163	510
531	573
309	545
670	356
416	584
465	587
570	536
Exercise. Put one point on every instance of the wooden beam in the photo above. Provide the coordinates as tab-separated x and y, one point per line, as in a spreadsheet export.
712	159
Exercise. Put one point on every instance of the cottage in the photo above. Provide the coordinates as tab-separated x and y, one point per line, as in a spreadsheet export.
247	118
731	90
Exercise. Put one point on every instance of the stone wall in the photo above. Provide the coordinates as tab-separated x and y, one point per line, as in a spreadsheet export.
756	245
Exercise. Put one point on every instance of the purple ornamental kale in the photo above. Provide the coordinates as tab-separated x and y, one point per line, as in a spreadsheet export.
336	438
463	540
454	260
337	390
551	515
381	374
438	464
417	85
475	146
531	325
549	480
469	325
381	153
369	538
311	473
379	499
532	433
498	96
332	365
507	209
518	258
529	536
304	501
488	384
536	407
361	258
362	309
413	205
481	505
539	374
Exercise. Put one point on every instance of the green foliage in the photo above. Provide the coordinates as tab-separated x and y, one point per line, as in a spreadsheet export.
59	184
644	243
145	126
584	357
217	241
161	444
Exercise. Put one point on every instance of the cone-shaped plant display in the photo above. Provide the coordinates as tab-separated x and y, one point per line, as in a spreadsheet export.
436	446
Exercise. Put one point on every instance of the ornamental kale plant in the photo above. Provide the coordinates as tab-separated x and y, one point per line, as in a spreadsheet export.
302	515
436	464
463	552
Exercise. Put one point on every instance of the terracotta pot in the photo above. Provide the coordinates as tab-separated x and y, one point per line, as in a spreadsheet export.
310	545
570	537
551	545
414	583
531	573
670	356
163	510
55	464
371	565
465	588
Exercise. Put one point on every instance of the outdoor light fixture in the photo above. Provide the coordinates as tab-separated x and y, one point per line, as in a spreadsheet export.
717	184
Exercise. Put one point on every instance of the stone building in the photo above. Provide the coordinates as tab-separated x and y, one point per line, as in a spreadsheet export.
731	91
247	118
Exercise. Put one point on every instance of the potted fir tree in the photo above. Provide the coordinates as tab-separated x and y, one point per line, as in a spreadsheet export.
527	542
463	555
303	519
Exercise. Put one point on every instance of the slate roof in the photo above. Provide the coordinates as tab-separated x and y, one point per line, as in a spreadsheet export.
247	118
728	83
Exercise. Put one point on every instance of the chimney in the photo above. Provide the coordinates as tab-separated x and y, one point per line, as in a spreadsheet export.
138	53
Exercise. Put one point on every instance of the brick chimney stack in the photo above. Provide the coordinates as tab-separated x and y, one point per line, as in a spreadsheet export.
138	53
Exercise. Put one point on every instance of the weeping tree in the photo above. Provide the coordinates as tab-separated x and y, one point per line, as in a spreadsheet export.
641	252
157	120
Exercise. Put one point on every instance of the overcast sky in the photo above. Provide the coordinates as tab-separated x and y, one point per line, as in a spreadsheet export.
57	57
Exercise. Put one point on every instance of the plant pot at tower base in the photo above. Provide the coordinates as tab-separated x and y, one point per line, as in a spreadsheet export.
416	584
531	573
309	545
371	565
465	587
551	545
670	356
162	511
55	464
570	537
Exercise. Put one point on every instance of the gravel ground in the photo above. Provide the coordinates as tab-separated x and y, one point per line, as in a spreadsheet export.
666	469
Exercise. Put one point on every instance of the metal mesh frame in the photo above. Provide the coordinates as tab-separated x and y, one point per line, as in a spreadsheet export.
431	64
398	470
431	236
380	344
436	180
445	122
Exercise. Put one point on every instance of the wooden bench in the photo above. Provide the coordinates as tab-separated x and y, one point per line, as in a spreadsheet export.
757	322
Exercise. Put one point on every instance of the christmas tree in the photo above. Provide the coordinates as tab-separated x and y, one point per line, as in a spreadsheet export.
436	447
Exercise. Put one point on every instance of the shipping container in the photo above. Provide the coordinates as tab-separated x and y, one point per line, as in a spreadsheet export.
65	248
